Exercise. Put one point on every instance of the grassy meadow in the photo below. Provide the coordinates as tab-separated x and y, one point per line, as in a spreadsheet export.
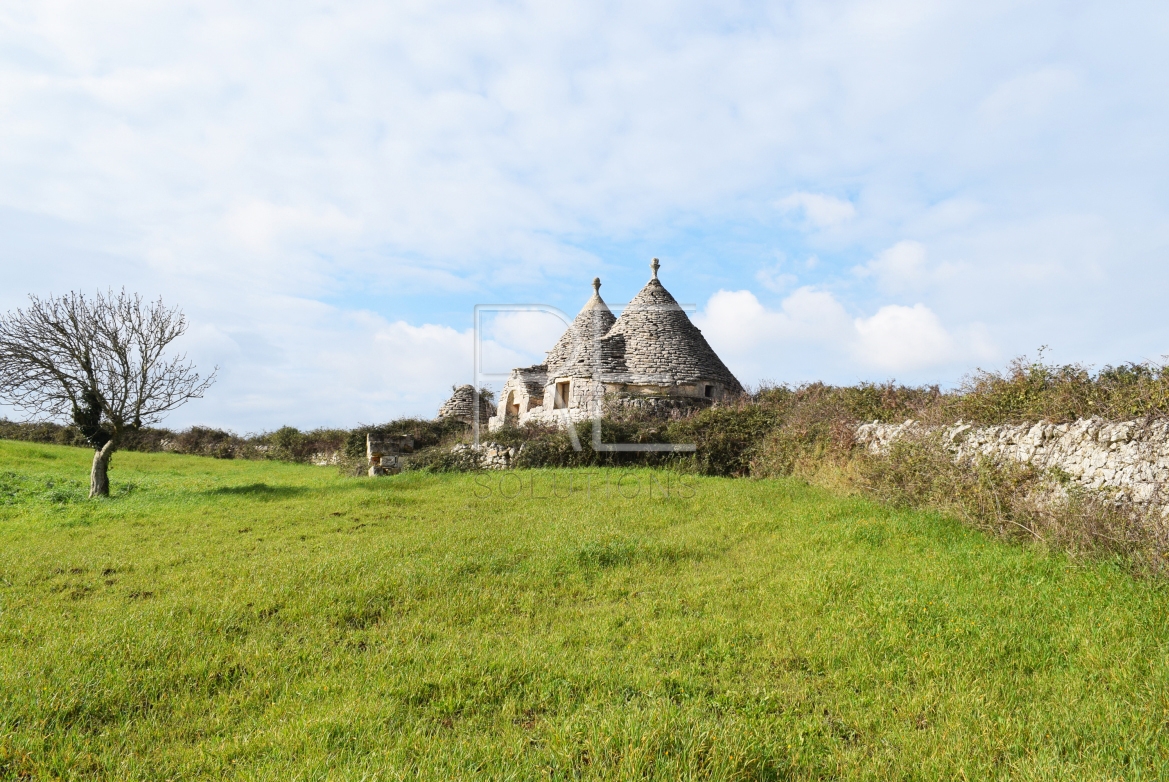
258	620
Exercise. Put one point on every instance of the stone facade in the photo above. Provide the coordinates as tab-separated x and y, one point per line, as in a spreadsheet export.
1130	458
383	453
656	406
522	393
644	360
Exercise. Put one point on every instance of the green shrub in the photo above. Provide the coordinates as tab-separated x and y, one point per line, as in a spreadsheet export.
425	433
727	438
923	473
816	422
441	458
205	441
542	445
1033	391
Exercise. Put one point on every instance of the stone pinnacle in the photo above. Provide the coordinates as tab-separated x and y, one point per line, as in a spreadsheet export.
654	265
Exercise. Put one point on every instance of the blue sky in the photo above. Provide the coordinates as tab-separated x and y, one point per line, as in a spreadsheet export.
845	191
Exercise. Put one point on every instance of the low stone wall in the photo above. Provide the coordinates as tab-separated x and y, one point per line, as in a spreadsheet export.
490	456
541	416
664	407
383	452
1131	458
325	458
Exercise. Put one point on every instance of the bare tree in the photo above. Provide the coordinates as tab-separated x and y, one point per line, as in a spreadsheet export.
98	362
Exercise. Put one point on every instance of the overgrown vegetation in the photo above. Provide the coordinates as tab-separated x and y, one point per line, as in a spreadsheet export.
806	431
1031	390
770	432
285	444
1014	500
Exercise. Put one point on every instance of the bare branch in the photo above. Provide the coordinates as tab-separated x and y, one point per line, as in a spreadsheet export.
63	355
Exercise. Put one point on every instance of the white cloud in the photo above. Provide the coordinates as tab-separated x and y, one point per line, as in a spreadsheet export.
818	211
900	267
1028	97
306	365
775	279
737	320
899	338
416	354
300	363
811	336
527	335
261	226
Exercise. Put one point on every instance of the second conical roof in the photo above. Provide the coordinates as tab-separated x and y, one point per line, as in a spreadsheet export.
575	353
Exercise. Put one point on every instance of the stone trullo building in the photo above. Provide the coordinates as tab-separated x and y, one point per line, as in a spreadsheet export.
651	358
461	405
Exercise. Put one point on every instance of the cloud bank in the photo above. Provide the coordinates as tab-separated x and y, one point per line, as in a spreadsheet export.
811	336
887	187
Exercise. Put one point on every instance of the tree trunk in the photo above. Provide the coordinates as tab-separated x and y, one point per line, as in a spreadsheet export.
99	477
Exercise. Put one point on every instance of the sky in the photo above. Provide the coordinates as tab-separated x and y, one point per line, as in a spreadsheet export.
840	191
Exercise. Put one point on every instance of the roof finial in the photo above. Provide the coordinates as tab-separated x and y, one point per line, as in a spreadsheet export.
596	286
654	265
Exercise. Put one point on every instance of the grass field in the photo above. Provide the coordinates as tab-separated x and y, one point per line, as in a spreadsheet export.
219	619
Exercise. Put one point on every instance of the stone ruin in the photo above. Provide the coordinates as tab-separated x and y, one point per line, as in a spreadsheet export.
489	456
461	405
652	359
384	452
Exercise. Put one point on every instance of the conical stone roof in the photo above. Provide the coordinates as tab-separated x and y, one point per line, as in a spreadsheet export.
654	342
575	353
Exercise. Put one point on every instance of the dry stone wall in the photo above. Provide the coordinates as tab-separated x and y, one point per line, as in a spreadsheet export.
489	456
1130	458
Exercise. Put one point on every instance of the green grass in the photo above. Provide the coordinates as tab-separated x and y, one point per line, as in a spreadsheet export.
219	619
